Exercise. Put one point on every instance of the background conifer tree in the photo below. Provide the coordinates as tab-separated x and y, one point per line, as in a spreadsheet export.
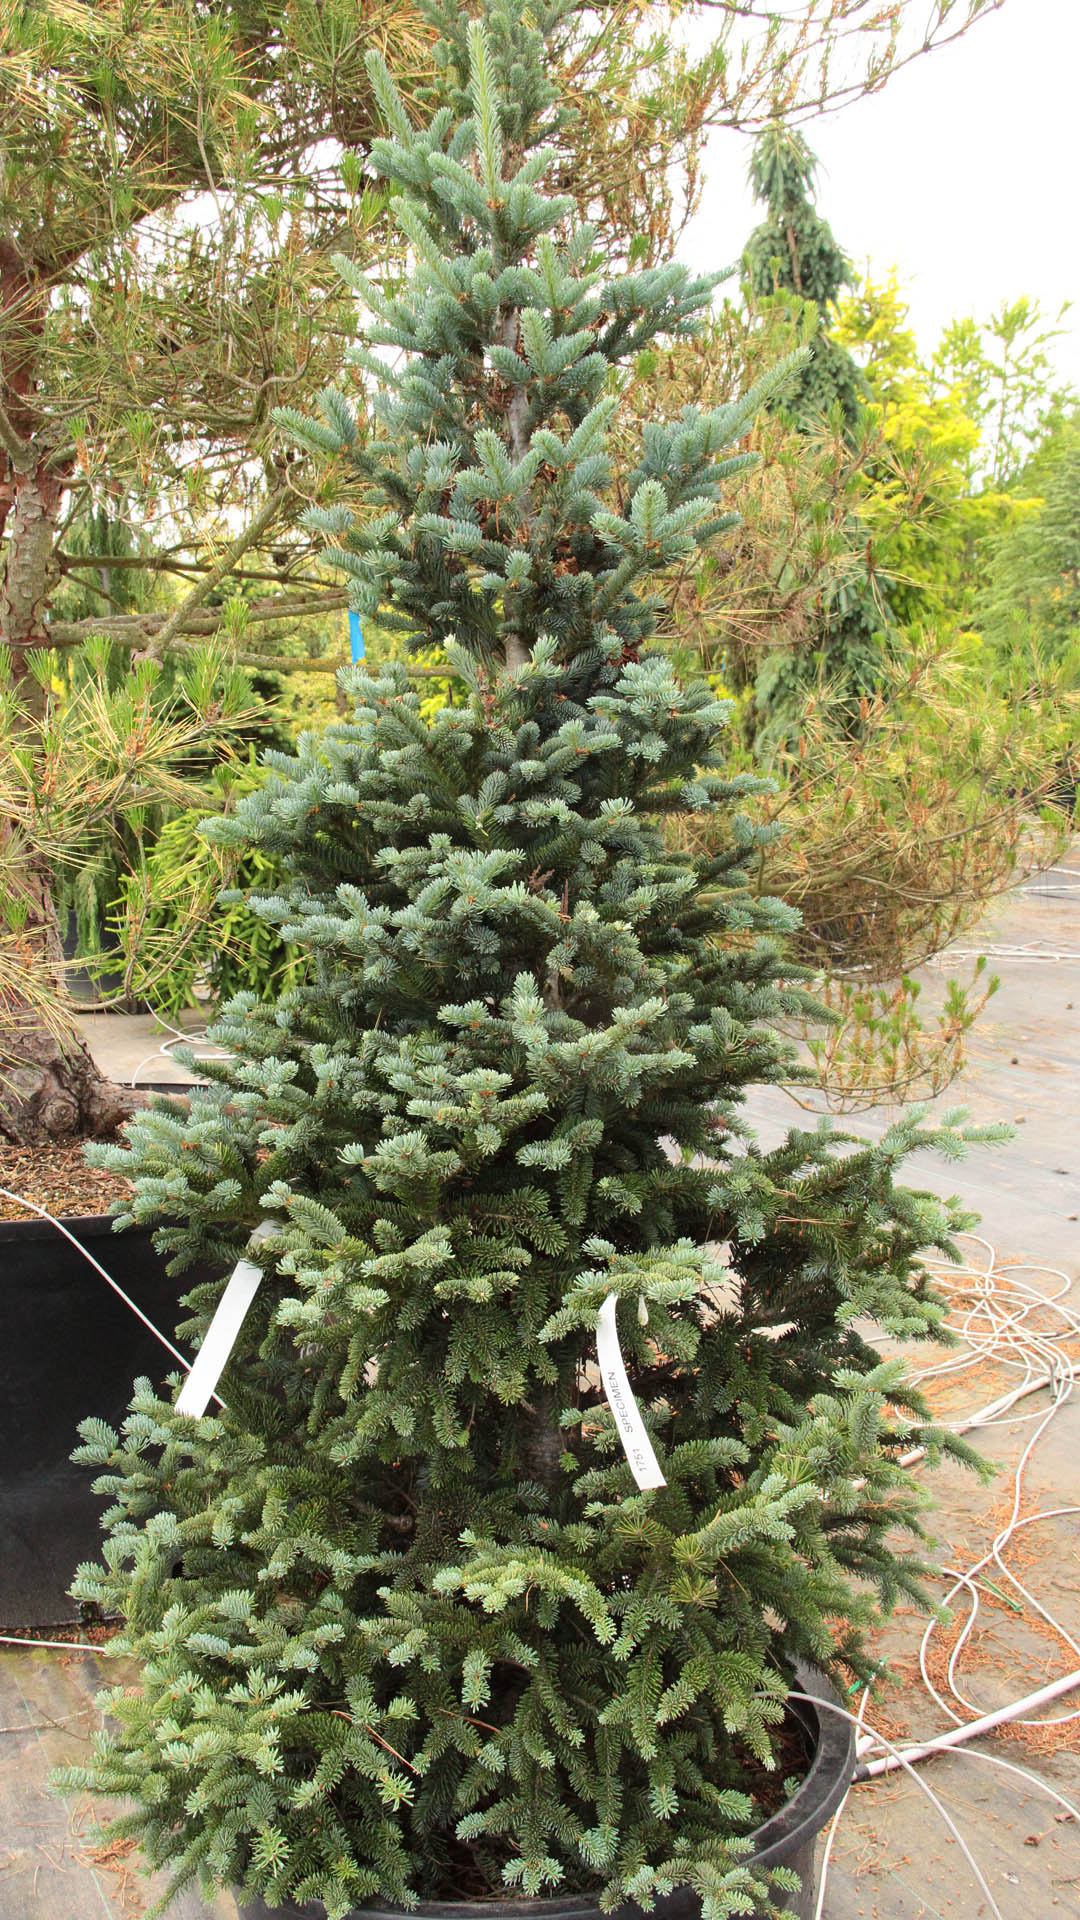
408	1625
794	251
793	259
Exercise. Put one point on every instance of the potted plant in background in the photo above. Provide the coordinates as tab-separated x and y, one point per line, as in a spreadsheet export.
444	1604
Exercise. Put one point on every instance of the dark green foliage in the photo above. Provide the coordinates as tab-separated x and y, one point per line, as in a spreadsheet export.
408	1626
793	252
793	259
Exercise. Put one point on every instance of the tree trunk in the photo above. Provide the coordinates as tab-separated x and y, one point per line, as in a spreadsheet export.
51	1091
30	572
543	1441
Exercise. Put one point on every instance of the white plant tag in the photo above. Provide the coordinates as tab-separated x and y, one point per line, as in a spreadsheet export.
222	1333
637	1446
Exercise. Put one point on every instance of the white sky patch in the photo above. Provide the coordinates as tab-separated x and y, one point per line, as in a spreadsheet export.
962	173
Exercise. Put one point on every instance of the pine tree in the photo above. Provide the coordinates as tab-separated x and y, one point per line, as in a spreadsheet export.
173	185
409	1625
1029	604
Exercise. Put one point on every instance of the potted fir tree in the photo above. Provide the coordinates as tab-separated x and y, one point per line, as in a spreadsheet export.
442	1605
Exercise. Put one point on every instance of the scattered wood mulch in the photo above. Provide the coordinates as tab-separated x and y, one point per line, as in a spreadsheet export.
92	1632
793	1753
57	1178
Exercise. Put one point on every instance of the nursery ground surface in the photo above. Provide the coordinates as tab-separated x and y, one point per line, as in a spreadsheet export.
893	1858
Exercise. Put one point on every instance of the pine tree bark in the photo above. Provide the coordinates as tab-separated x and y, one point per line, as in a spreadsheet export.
51	1090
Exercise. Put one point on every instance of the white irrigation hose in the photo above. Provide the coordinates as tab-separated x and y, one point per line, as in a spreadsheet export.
996	1327
972	1728
987	1760
1055	890
898	1758
53	1646
1035	951
905	1757
968	1582
107	1277
989	1415
829	1706
197	1036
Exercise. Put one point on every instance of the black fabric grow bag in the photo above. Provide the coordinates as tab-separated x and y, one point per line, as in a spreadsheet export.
70	1348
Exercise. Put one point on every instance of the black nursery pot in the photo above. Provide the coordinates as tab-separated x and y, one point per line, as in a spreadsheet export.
787	1840
70	1348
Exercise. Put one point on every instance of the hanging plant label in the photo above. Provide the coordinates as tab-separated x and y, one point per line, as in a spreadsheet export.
637	1446
221	1335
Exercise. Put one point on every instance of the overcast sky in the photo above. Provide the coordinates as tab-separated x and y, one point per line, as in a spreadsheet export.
964	174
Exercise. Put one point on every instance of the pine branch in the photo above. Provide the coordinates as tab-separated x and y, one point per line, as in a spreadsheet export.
165	563
132	630
179	622
19	451
136	629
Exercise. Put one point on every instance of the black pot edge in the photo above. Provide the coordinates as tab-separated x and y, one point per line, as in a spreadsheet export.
175	1088
778	1841
828	1778
84	1226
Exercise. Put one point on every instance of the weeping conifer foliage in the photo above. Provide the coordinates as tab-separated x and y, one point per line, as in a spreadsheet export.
408	1626
794	251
